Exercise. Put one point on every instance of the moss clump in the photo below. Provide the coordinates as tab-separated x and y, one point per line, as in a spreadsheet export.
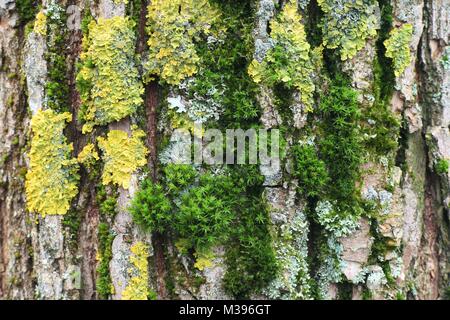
150	208
310	171
104	256
341	144
442	166
72	223
108	79
381	125
137	288
122	156
222	78
26	10
107	201
289	61
206	210
346	25
173	27
51	182
57	85
397	47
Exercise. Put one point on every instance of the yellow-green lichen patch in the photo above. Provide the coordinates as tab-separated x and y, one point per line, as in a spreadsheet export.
397	47
122	156
40	24
88	156
203	260
137	288
173	27
347	24
108	80
289	61
51	181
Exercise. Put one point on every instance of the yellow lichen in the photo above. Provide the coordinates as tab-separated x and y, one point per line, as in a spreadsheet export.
88	156
289	62
137	288
397	47
108	80
122	156
51	181
173	26
40	24
203	260
346	25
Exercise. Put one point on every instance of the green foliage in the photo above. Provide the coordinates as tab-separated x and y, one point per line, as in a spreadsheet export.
108	79
178	177
346	25
397	47
309	170
289	62
105	239
122	156
151	209
442	166
173	26
52	178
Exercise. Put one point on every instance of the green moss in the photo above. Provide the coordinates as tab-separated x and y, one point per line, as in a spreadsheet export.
442	166
104	256
224	67
51	182
108	79
341	142
57	85
309	170
72	222
250	258
27	10
107	201
151	209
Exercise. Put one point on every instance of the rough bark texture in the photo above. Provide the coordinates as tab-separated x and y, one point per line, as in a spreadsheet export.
403	252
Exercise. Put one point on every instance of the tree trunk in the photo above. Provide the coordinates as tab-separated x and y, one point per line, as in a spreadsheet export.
386	239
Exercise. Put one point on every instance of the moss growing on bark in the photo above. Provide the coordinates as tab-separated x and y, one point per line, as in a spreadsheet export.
104	256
